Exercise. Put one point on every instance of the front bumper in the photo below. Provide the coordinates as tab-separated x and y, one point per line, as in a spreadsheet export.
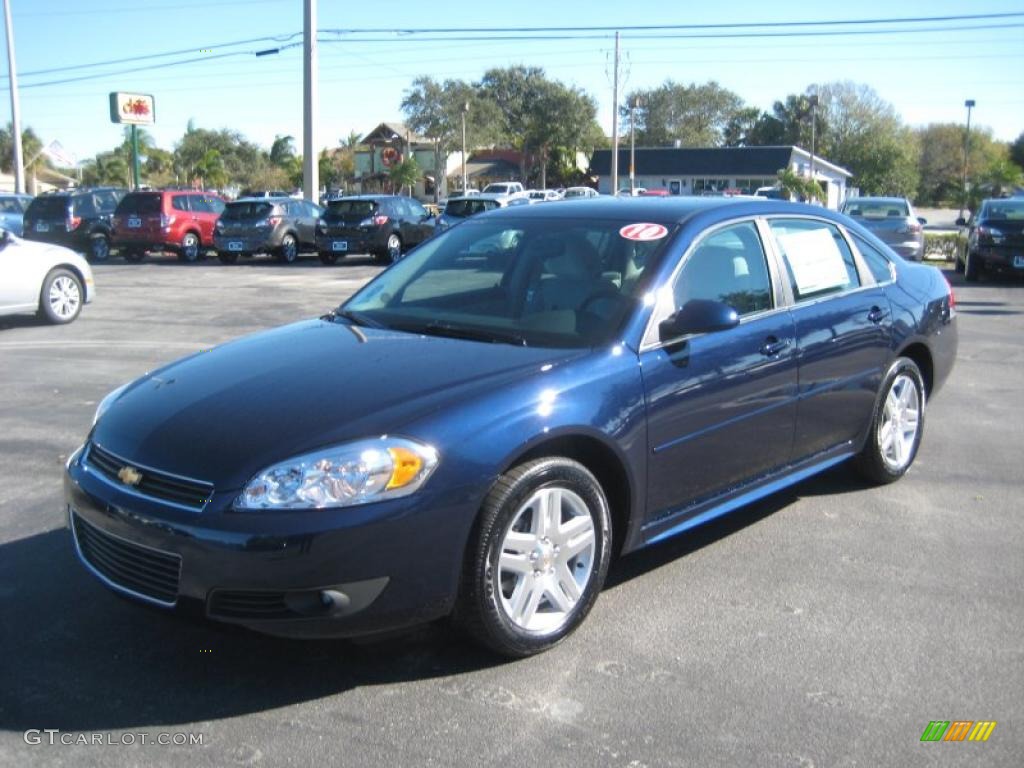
317	573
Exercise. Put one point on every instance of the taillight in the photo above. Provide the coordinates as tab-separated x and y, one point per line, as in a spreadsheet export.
986	232
73	222
913	228
380	219
273	221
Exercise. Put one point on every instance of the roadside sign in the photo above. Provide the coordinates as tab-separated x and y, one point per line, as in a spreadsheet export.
132	108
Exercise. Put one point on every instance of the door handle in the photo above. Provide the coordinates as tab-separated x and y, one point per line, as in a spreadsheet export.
877	315
773	346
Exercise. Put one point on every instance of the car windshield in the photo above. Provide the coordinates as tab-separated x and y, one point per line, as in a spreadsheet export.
1005	210
463	208
877	209
496	188
535	281
241	211
351	207
139	204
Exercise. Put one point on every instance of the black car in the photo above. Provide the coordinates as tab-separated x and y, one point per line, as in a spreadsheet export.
383	225
79	219
478	430
281	226
994	239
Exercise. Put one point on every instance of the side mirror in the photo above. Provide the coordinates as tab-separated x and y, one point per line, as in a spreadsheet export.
698	316
961	222
921	221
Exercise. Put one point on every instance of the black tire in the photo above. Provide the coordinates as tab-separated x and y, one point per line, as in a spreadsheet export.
392	250
190	247
99	247
873	462
133	255
65	303
481	608
328	258
227	257
288	251
972	269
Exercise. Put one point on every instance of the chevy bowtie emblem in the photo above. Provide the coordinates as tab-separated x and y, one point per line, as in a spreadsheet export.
129	475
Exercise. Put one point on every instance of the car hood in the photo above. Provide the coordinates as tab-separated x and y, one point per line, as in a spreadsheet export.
224	414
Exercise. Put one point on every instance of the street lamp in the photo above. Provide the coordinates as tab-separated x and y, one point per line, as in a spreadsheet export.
465	181
967	148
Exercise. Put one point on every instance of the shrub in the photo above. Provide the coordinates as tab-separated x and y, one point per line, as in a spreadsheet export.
941	245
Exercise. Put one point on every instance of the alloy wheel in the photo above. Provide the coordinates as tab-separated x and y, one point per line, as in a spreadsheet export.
64	297
897	429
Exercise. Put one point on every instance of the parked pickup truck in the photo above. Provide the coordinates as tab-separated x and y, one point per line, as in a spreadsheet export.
506	189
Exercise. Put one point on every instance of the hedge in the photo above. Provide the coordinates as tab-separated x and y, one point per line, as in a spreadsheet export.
941	245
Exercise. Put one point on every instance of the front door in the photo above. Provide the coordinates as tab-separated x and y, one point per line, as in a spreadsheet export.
721	406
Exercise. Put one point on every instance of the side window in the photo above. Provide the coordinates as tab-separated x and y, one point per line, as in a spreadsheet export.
84	206
416	210
878	264
180	202
106	202
818	260
215	205
728	266
399	208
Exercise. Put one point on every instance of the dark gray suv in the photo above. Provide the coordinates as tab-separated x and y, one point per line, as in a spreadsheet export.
280	226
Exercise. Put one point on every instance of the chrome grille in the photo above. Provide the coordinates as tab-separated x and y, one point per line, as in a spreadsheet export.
182	491
137	569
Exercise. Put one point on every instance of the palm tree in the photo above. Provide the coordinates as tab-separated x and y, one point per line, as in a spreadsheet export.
404	174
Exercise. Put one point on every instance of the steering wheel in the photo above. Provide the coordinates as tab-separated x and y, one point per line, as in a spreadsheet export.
600	293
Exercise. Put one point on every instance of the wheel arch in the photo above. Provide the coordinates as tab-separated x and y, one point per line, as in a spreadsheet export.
603	461
922	357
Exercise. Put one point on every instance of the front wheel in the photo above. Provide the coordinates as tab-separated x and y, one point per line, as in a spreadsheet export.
896	425
189	249
61	298
538	557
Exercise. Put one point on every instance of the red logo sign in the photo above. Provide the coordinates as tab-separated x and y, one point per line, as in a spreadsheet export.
643	231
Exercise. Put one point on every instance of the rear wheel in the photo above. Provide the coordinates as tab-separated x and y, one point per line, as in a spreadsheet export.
99	247
538	557
972	269
288	251
227	257
392	250
896	425
189	248
328	258
61	298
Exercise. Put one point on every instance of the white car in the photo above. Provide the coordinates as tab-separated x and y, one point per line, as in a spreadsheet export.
50	280
509	189
576	193
543	195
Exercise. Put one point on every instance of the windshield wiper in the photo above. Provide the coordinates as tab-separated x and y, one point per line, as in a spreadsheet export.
491	335
354	317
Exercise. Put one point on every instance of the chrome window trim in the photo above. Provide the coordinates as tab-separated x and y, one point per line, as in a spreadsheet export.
851	238
662	307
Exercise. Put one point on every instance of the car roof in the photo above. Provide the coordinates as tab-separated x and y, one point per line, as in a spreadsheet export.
878	199
663	209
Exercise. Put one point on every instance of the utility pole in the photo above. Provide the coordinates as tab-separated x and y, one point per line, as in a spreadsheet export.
19	158
632	146
310	111
465	178
814	126
615	119
967	149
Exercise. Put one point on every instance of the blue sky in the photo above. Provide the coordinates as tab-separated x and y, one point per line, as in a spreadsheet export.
926	76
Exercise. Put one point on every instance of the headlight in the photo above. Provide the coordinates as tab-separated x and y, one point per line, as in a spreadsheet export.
353	473
108	401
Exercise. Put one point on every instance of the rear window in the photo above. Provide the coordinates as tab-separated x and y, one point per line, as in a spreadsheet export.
463	208
55	206
351	207
246	211
138	205
877	209
1005	209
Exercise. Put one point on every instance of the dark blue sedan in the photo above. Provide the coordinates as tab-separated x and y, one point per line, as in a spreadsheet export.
479	429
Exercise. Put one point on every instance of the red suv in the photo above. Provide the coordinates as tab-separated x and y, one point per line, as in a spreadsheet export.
166	220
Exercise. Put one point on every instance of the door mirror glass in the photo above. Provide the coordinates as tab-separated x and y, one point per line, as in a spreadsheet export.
961	222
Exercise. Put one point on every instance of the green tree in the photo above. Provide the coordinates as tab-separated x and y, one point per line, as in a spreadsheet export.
237	160
435	109
404	174
31	150
1017	150
740	128
107	168
694	115
799	187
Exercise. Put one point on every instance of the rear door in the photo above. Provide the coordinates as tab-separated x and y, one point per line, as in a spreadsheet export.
206	209
721	407
421	223
843	330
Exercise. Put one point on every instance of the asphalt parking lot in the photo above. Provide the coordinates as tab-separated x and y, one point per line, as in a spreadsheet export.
825	626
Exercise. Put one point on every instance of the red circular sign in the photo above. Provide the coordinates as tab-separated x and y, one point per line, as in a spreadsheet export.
643	231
